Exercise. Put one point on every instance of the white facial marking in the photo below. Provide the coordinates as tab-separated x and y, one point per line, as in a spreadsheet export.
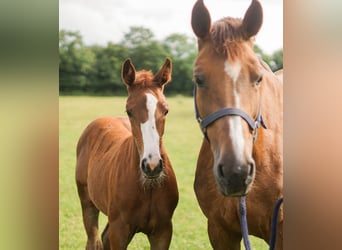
149	132
233	71
235	134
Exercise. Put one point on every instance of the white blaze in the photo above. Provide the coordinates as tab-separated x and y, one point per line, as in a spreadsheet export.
233	71
149	132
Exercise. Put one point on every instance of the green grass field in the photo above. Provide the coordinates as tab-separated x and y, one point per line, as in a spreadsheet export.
182	139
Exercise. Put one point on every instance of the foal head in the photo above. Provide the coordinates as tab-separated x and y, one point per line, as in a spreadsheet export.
228	74
146	108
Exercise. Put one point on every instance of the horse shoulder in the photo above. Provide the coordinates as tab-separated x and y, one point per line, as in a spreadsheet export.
279	74
96	150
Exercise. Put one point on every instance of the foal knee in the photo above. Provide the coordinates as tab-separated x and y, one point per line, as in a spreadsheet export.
94	245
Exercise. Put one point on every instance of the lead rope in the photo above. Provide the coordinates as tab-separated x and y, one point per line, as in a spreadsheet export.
244	226
243	222
275	223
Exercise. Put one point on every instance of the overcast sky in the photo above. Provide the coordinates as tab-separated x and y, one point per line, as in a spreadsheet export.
101	21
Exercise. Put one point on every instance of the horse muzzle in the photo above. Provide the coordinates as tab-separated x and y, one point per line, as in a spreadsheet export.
150	169
235	179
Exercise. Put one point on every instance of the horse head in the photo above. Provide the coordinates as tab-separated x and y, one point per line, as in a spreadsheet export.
228	74
147	108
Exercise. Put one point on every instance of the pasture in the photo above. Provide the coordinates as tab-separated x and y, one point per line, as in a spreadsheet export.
182	139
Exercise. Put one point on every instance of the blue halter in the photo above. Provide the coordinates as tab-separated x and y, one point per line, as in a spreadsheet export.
206	121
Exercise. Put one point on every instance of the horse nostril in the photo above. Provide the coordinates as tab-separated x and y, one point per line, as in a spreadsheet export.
251	169
220	170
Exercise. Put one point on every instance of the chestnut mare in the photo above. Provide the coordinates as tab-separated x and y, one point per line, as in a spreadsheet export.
123	170
239	105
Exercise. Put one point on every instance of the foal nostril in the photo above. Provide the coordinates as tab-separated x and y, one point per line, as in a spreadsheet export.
145	166
151	170
160	165
158	168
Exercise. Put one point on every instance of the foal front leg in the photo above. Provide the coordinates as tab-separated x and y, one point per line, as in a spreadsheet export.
105	238
90	219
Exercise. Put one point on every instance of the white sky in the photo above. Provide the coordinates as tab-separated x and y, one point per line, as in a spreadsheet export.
101	21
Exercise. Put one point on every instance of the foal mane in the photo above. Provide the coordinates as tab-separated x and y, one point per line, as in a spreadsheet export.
144	78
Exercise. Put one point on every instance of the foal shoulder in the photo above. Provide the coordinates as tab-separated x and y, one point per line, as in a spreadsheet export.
111	124
105	127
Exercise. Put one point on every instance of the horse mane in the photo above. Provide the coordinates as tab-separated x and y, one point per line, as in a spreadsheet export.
144	78
226	33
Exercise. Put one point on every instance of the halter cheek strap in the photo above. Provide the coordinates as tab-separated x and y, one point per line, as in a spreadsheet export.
206	121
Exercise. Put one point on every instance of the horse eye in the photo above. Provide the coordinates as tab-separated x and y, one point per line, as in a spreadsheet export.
129	112
166	112
199	80
258	81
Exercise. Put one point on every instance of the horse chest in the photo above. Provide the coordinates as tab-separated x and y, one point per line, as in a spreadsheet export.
139	210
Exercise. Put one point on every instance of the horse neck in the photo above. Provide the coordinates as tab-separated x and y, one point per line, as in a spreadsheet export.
272	102
268	146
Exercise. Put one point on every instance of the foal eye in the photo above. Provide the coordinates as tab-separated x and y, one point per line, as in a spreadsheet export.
129	112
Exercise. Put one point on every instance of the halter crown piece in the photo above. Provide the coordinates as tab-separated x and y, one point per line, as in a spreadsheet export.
206	121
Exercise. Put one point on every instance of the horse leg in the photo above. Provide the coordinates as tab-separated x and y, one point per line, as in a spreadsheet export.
119	234
90	218
221	239
105	238
161	237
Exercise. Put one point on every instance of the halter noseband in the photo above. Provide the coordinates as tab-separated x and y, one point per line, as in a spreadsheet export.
206	121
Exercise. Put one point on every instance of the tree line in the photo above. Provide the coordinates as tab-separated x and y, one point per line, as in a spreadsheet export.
96	69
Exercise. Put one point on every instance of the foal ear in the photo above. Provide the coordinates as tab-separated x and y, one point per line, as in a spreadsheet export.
128	72
164	74
252	20
200	19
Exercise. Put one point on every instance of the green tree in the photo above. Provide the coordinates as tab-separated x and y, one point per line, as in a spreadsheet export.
106	75
277	60
98	69
183	51
75	61
137	36
144	50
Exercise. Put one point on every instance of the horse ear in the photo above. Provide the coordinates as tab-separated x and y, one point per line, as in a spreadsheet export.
128	72
200	19
252	20
164	74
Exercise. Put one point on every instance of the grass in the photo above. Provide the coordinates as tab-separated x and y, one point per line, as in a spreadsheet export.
182	139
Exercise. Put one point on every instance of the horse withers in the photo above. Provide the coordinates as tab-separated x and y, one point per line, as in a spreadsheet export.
123	169
239	105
